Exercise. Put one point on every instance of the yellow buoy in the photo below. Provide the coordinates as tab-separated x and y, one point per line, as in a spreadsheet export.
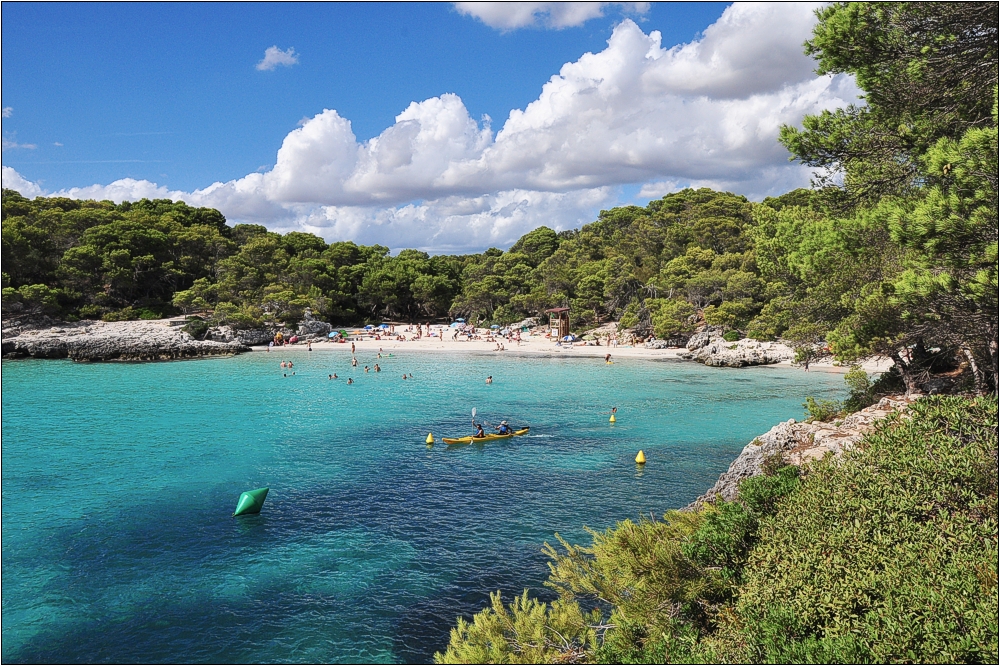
641	458
430	438
612	419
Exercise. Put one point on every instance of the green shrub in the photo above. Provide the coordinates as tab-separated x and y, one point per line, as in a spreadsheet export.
731	336
90	312
125	314
729	529
196	328
822	410
526	632
888	554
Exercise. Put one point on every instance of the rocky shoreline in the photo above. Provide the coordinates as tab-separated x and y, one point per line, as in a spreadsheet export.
799	443
112	341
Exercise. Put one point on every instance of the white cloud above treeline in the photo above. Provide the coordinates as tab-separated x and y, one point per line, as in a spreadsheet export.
273	57
706	113
555	15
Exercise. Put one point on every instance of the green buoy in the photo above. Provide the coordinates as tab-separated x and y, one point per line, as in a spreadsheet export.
251	501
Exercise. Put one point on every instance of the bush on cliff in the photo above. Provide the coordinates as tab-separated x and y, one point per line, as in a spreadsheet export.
887	554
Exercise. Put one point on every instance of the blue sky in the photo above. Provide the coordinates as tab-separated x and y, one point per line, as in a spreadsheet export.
126	100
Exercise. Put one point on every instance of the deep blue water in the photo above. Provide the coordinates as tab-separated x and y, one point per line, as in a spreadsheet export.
119	480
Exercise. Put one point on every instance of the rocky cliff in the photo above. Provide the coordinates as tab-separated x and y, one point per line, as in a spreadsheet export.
111	341
799	443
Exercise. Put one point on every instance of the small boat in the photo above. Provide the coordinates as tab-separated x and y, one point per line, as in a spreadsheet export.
485	438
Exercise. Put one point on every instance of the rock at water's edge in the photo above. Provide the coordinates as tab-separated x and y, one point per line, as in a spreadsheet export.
113	341
799	443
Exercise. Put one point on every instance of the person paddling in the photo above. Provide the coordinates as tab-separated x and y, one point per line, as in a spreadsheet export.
503	428
479	431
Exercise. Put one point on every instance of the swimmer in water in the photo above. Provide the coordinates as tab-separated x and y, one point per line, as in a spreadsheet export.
354	362
377	369
404	376
366	368
329	376
335	375
350	381
489	380
607	358
411	375
352	348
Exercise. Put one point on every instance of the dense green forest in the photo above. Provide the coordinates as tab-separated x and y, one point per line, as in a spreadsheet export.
893	252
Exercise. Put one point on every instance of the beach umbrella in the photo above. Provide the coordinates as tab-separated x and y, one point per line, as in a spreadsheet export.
589	337
385	326
460	319
568	338
369	327
343	332
333	334
494	326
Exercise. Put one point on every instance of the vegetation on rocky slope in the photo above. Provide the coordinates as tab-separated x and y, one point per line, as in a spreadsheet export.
886	554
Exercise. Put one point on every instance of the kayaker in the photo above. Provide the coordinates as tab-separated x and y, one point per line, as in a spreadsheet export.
503	428
479	430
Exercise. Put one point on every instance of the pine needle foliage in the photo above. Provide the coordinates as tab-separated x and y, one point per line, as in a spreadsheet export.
527	631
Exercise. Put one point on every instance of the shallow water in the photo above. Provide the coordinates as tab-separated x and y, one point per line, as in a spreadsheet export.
119	480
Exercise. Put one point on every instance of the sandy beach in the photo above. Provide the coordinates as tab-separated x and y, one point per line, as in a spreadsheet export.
529	345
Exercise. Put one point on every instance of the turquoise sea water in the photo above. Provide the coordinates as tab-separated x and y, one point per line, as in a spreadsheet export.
119	480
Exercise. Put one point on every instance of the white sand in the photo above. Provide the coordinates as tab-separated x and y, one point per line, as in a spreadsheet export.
529	345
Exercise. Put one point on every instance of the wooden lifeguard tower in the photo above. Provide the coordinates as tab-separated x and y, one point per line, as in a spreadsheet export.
559	322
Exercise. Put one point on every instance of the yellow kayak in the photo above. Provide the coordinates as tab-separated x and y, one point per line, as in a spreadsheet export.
485	438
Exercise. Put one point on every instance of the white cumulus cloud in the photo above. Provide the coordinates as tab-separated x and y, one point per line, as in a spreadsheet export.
273	56
8	111
12	180
557	15
706	113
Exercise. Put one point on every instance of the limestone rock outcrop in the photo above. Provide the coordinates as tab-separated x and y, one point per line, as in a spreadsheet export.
310	326
112	341
799	443
710	348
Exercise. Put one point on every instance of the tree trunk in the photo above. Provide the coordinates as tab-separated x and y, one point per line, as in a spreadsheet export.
976	372
905	371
